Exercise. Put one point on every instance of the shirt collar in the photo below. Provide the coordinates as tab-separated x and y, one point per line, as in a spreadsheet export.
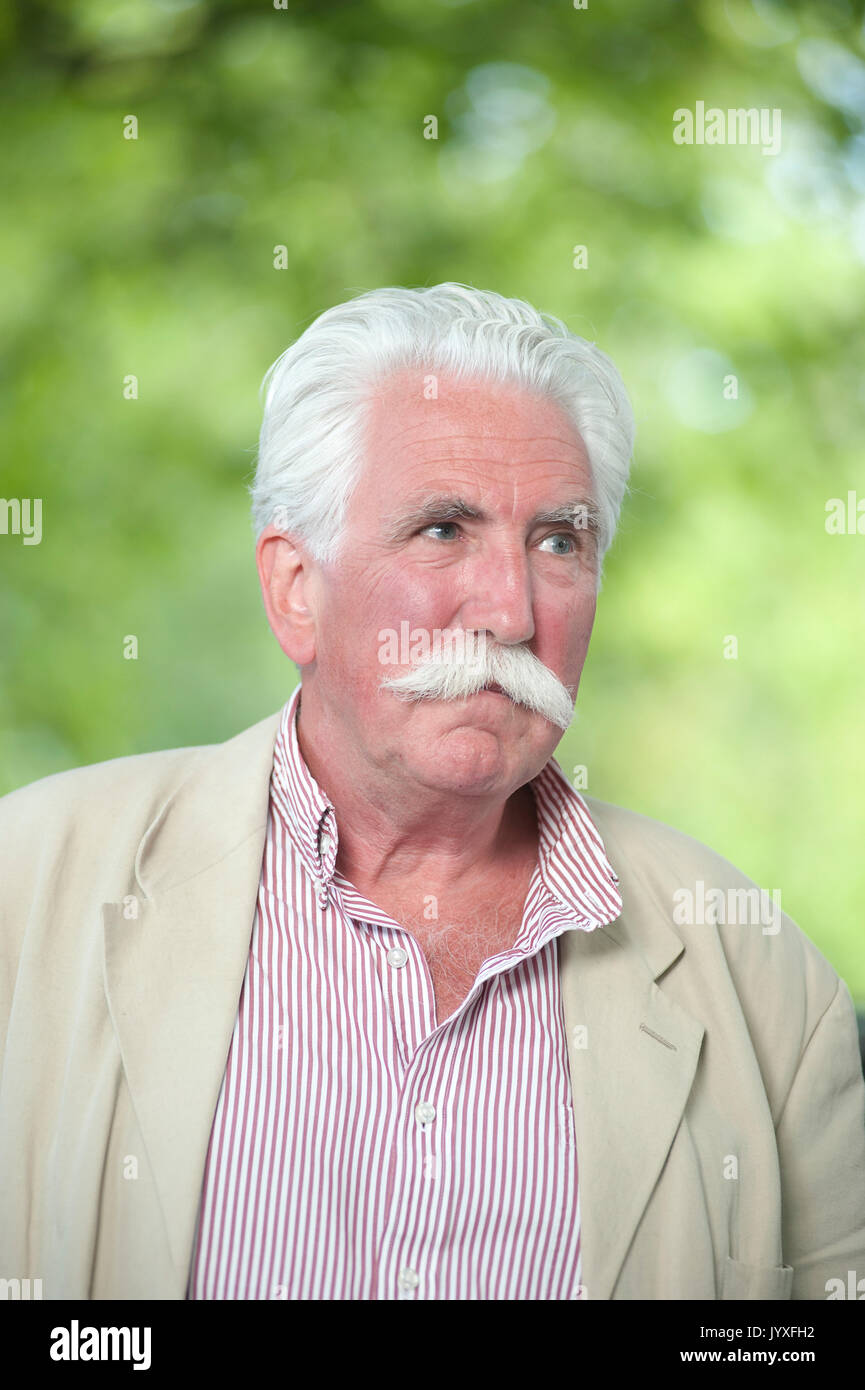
572	861
571	856
306	812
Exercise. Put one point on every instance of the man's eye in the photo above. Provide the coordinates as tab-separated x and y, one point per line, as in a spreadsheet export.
441	526
567	541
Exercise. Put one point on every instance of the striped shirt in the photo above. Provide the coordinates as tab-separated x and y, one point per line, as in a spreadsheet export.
360	1149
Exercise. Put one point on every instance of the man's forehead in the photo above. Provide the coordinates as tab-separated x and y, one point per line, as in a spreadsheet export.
429	445
489	445
480	468
473	413
415	440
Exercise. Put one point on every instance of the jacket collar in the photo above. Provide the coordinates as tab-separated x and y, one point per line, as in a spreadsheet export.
221	802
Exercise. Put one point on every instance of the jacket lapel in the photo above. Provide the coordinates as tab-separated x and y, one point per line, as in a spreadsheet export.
633	1054
175	957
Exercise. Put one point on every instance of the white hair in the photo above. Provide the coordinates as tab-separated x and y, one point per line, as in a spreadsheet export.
311	447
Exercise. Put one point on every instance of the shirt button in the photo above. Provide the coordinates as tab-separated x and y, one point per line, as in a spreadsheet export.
397	957
425	1113
408	1279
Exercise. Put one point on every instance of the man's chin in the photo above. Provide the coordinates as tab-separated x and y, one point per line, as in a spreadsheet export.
487	728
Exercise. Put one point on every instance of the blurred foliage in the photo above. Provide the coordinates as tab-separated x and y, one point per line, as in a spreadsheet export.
303	126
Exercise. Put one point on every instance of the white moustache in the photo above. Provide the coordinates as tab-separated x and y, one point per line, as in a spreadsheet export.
516	670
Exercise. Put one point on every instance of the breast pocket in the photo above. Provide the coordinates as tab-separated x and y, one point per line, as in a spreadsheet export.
755	1281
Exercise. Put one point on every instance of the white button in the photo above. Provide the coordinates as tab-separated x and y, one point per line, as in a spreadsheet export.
397	957
408	1278
425	1113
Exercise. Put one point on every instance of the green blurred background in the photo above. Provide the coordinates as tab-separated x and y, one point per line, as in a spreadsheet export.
303	127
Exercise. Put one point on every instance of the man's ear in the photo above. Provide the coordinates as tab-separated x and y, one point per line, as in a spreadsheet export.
285	572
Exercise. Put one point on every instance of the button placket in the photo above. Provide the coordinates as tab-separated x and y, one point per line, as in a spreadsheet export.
325	842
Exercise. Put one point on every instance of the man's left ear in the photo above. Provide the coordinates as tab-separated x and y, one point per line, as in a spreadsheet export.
285	573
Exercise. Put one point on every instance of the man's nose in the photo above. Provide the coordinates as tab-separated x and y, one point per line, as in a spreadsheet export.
500	597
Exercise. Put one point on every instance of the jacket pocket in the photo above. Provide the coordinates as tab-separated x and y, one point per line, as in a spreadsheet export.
755	1281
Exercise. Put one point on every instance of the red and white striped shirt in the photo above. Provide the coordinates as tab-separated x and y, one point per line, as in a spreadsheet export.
360	1150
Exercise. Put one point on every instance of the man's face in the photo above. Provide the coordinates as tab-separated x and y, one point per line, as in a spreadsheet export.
447	530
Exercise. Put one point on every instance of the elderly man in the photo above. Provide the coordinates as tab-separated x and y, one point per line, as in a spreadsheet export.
369	1002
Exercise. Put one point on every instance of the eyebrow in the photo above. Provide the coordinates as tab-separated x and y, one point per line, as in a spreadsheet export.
445	507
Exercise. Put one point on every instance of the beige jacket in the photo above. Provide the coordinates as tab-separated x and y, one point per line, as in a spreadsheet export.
719	1101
